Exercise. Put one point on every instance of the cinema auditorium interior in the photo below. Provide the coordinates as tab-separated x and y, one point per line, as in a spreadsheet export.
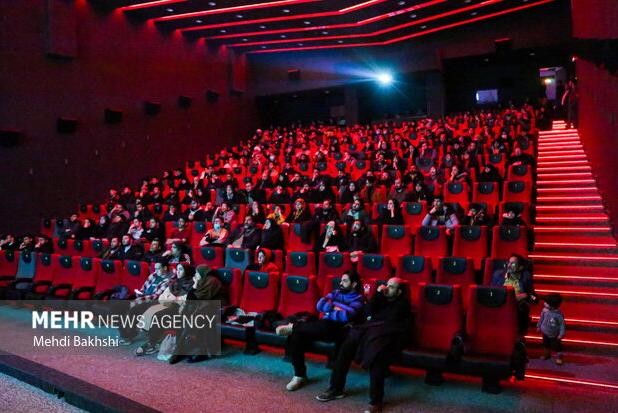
309	206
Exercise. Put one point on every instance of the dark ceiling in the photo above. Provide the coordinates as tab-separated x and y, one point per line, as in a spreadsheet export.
255	26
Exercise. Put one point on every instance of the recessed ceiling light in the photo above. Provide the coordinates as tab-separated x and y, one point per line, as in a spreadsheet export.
325	32
486	59
413	16
467	1
245	39
474	13
263	47
532	54
199	21
262	27
307	22
169	10
300	44
286	10
401	3
223	31
212	3
339	41
283	36
423	27
239	16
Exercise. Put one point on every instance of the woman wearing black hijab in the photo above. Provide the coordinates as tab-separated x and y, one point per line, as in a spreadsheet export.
391	215
272	235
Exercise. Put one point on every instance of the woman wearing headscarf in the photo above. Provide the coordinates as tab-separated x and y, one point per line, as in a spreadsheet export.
264	262
391	215
206	286
272	235
330	240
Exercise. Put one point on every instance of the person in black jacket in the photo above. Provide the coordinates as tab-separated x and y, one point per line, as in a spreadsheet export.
375	344
360	240
130	250
391	215
272	235
330	240
245	236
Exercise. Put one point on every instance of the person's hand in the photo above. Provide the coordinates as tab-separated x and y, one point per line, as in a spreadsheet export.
433	210
382	287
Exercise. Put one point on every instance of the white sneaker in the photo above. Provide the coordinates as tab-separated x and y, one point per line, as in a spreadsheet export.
296	383
284	330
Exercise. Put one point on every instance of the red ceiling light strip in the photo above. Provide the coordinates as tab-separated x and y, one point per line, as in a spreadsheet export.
371	34
584	322
575	244
572	229
574	277
150	4
234	9
571	381
575	341
461	23
568	292
282	18
332	26
573	257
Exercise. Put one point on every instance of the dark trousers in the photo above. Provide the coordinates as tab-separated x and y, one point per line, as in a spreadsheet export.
129	332
377	371
156	332
304	333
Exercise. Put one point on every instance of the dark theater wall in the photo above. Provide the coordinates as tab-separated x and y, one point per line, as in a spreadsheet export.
598	99
117	64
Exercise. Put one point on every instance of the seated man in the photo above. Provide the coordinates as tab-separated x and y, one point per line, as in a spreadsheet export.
356	212
180	233
360	240
113	252
155	251
338	308
153	231
194	213
439	215
374	344
129	250
245	236
216	236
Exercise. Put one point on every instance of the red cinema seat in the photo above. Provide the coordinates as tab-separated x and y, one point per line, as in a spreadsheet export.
487	192
519	173
491	266
260	291
396	241
471	241
374	266
299	294
212	256
456	271
333	263
233	280
415	269
413	213
300	263
134	274
508	239
520	208
8	265
431	242
64	269
41	282
439	317
109	277
517	191
85	279
457	192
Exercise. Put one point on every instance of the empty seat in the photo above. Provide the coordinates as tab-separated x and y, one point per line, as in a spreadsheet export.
509	239
48	227
376	266
212	256
299	294
396	240
98	245
9	261
300	263
108	277
431	241
232	279
457	192
413	213
332	263
519	173
473	242
260	292
439	317
237	258
134	274
517	191
64	268
487	192
491	266
40	283
81	248
294	241
415	269
85	278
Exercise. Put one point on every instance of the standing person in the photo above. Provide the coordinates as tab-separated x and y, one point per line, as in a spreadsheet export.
374	344
551	325
338	308
569	103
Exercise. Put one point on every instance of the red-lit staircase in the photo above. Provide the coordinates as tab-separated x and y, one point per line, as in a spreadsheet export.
575	255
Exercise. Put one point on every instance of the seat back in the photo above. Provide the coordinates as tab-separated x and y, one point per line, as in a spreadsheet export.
456	270
396	240
335	263
237	258
197	233
457	192
294	241
415	269
374	266
260	291
9	261
109	274
522	208
491	321
134	274
487	192
44	268
509	239
472	242
413	213
439	316
212	256
491	266
300	263
517	191
86	274
26	267
233	280
299	294
431	241
64	268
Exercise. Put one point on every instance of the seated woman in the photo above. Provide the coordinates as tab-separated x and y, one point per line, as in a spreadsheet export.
277	214
420	193
477	215
459	176
177	254
168	305
512	217
392	214
330	240
265	262
226	213
206	286
300	213
272	235
347	194
216	236
256	212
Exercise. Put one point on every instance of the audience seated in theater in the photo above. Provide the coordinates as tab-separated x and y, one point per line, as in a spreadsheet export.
27	243
136	230
100	229
306	193
330	239
251	194
356	212
477	215
9	243
117	227
177	253
264	262
86	231
43	245
141	212
172	214
459	176
113	251
216	236
375	344
441	214
231	196
70	227
180	233
520	158
277	214
391	215
489	173
421	193
300	212
155	251
346	195
512	217
360	240
247	235
226	213
399	192
130	249
272	235
255	211
323	192
338	309
153	231
194	213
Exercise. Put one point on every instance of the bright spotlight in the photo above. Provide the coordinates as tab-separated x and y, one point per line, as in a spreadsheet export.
384	78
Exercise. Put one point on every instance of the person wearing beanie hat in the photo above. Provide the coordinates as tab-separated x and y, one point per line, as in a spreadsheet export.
551	325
